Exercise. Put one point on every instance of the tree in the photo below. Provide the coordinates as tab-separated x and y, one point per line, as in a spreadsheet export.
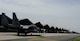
47	28
57	30
25	22
51	30
38	24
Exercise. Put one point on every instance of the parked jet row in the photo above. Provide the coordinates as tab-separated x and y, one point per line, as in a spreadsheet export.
14	25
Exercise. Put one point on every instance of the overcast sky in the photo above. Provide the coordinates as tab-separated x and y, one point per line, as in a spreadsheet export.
60	13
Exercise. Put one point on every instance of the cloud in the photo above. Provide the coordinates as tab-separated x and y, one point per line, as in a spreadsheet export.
61	13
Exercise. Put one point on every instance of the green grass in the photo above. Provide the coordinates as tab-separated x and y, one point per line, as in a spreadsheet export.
75	39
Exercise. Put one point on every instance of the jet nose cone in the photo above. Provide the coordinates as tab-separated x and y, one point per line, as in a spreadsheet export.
32	29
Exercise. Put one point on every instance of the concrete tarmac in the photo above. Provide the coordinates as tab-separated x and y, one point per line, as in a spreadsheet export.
62	38
44	37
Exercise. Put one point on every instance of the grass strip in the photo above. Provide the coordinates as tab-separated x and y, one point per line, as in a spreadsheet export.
75	39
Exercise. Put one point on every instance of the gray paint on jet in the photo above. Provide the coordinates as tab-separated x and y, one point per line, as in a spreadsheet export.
4	20
15	21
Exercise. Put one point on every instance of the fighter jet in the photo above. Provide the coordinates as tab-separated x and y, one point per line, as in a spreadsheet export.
16	26
23	28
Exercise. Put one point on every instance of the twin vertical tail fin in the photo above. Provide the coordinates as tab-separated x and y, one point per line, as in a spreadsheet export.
15	21
4	20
